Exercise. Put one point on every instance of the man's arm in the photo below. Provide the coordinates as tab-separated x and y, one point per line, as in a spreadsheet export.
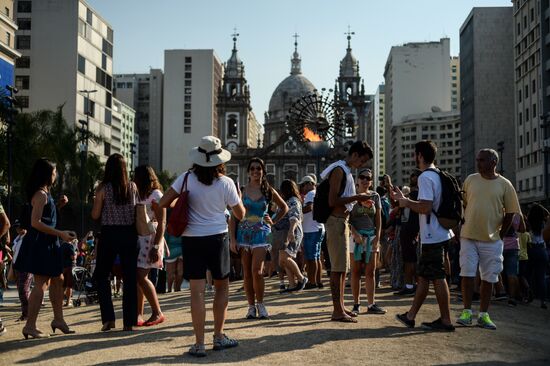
506	223
335	181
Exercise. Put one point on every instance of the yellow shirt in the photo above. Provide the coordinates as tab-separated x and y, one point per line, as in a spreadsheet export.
487	201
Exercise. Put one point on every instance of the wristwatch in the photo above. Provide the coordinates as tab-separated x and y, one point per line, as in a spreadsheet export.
155	246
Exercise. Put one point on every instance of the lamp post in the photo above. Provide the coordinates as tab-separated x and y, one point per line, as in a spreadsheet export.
85	130
500	149
133	153
11	121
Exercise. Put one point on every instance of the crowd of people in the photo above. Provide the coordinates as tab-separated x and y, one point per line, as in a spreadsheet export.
256	231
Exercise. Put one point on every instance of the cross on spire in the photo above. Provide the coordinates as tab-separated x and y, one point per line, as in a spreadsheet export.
235	35
295	36
349	33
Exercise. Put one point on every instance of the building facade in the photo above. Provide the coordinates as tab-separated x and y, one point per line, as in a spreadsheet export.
67	59
487	88
443	128
417	80
545	96
375	136
122	137
8	54
144	93
455	83
192	80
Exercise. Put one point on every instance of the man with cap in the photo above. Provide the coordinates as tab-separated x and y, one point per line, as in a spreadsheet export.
313	233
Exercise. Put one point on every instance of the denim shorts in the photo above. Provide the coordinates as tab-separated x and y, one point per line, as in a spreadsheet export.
312	245
511	261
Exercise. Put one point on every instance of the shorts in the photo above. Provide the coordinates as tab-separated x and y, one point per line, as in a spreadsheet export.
337	231
172	260
68	277
292	248
432	261
312	245
486	255
511	262
409	246
202	253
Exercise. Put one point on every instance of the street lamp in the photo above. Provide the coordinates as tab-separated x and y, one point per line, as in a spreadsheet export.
500	149
133	153
84	152
11	121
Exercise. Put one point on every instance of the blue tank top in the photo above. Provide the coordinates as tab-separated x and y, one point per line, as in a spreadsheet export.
252	228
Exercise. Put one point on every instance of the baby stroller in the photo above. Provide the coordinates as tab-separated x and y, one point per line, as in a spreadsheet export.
84	284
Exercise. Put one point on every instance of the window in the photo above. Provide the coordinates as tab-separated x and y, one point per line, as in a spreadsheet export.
24	6
107	48
187	114
22	82
23	42
187	82
109	34
187	90
24	23
7	11
104	62
188	75
520	118
519	28
520	141
187	129
108	116
8	38
527	138
23	62
89	16
527	114
532	14
534	134
106	148
81	64
187	98
187	67
187	121
519	95
89	107
187	106
524	21
232	126
129	85
526	91
534	89
535	110
108	100
23	101
188	60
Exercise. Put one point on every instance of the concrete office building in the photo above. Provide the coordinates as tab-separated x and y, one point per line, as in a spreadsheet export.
455	83
8	54
443	128
487	87
529	95
66	47
376	130
545	96
192	81
144	93
122	135
417	80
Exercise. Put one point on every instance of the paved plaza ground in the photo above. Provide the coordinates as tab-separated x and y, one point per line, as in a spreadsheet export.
299	332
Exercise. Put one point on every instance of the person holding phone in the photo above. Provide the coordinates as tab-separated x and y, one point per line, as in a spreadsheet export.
40	252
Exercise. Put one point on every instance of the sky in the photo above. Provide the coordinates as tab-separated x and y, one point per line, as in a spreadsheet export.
144	29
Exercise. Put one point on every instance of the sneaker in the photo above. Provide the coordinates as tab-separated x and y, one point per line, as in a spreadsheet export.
320	285
406	292
485	322
197	350
356	309
403	319
262	311
224	342
282	287
251	314
465	318
375	309
438	325
310	286
300	285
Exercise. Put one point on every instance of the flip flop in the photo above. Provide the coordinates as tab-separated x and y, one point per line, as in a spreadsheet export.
352	314
345	319
154	322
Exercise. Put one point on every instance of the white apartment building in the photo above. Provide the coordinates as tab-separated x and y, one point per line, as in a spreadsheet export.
191	85
455	83
123	132
528	99
144	93
8	54
66	48
417	80
376	130
443	128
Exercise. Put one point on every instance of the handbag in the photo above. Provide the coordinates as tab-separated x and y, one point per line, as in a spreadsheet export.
144	225
179	218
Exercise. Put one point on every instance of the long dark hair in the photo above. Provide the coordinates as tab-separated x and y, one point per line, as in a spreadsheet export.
289	189
146	181
116	174
265	188
41	175
206	175
536	217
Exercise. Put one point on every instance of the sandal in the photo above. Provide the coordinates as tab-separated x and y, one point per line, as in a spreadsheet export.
197	350
345	319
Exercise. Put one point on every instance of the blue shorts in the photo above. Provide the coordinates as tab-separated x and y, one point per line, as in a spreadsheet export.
511	262
312	245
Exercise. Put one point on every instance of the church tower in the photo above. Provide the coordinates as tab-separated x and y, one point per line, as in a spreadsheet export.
238	126
350	93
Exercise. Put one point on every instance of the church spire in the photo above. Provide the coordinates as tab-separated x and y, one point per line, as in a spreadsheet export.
296	62
234	66
349	67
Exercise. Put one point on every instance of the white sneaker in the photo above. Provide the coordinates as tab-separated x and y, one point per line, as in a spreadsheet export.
251	314
262	311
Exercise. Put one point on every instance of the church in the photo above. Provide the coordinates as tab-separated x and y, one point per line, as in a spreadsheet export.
285	158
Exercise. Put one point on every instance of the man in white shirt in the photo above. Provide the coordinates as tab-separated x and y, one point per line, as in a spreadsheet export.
433	238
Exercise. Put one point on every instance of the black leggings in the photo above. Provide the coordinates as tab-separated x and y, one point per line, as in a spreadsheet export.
538	262
121	240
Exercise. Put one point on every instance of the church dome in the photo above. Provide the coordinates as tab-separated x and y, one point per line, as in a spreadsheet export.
292	88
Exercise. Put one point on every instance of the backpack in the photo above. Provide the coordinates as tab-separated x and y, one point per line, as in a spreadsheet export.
450	211
321	208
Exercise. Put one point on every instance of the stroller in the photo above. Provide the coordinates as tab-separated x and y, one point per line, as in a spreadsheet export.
84	284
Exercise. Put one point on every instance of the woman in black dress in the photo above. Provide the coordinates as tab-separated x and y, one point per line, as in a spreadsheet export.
40	252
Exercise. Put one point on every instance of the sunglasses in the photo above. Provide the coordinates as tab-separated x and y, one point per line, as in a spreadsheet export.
253	168
367	177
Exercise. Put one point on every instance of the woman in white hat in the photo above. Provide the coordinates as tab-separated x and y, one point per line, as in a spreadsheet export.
203	242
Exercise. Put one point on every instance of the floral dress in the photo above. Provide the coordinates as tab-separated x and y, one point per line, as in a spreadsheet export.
146	242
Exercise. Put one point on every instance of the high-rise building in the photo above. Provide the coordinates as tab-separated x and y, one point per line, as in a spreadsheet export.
67	59
544	18
8	54
487	88
455	83
144	93
417	80
375	137
192	80
530	96
122	136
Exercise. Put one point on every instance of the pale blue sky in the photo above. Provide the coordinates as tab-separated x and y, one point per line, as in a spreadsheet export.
144	29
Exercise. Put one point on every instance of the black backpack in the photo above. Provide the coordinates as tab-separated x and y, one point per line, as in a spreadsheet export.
321	208
450	211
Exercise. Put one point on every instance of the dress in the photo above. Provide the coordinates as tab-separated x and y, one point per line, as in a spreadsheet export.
253	231
146	241
40	253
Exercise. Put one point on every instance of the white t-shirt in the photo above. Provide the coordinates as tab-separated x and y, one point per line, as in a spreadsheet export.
207	204
309	225
429	189
156	195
